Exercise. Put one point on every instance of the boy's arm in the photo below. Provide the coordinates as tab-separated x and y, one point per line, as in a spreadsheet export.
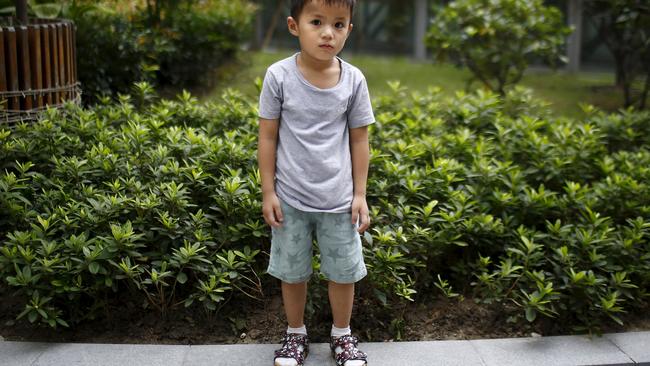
266	151
360	152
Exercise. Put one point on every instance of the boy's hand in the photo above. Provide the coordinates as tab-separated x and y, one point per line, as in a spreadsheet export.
271	210
360	213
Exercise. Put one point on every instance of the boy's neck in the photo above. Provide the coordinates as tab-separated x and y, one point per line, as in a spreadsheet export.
314	64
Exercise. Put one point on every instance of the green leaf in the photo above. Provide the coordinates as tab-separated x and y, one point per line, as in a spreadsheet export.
616	319
24	312
368	237
8	10
93	267
381	296
531	314
181	278
49	11
45	223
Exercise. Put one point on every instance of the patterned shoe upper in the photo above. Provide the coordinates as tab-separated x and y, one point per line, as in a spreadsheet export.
348	344
290	343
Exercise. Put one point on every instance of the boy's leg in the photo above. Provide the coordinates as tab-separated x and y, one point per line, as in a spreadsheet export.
291	261
341	296
291	258
294	349
342	263
294	296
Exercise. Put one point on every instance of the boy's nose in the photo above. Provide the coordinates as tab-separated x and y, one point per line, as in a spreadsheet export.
326	33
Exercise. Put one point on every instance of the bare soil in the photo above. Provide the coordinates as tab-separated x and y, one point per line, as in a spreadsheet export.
264	322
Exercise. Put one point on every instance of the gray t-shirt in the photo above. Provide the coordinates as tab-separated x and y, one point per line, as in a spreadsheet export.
313	170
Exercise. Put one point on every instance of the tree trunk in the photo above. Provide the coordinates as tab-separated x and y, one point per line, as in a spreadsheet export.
274	22
644	94
21	11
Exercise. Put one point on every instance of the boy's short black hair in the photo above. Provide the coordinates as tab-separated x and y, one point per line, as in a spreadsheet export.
297	5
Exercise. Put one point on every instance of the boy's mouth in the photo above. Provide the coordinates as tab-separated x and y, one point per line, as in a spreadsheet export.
327	46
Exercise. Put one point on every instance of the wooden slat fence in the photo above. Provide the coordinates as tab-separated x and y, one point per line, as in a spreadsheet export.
37	68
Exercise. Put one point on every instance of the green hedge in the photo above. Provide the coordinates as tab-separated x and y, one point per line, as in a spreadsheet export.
476	194
549	215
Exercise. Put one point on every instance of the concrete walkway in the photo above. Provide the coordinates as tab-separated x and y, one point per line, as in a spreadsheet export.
631	348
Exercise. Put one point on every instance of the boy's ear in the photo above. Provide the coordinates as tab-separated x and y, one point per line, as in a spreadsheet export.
350	28
293	26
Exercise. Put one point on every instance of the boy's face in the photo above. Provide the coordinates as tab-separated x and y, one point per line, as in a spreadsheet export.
321	29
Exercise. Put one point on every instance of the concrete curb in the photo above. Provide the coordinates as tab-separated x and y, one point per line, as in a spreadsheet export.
632	348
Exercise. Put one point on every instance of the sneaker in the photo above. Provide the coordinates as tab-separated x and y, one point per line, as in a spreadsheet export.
290	343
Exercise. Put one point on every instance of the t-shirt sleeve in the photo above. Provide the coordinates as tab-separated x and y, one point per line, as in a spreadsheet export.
360	112
270	97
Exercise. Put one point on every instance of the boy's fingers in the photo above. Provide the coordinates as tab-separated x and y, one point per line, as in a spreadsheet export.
269	217
278	214
365	223
274	223
355	217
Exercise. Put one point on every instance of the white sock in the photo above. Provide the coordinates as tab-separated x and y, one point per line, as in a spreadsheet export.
284	361
338	332
300	330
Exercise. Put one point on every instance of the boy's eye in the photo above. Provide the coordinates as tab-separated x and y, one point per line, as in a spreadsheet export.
339	25
315	22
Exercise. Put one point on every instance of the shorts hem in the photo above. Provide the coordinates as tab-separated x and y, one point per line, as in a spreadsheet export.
342	280
289	279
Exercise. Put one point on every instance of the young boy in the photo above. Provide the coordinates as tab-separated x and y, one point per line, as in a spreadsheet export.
313	159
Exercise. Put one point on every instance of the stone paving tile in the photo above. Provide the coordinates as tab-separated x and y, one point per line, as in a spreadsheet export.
250	355
20	353
556	351
439	353
634	344
443	353
96	354
612	349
